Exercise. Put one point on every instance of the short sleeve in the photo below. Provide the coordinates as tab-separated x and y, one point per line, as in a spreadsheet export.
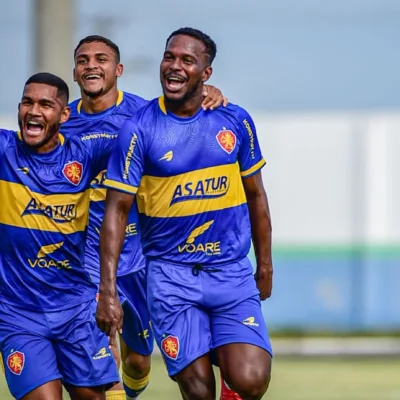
250	157
5	136
126	164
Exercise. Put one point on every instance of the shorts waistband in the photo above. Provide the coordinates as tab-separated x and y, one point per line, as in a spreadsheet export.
201	266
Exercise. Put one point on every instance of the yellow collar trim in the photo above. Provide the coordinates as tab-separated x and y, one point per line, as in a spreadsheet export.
119	101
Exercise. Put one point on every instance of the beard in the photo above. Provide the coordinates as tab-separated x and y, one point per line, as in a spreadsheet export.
96	93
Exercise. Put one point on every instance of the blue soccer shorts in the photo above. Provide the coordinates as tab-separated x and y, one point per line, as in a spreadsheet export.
40	347
195	310
136	330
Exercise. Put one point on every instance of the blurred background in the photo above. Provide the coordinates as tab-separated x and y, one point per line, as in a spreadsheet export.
321	80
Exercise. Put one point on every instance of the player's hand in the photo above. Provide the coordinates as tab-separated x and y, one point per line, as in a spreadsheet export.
213	98
263	277
109	316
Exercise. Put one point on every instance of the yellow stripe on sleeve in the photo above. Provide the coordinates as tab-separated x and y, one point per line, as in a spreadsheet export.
123	187
253	169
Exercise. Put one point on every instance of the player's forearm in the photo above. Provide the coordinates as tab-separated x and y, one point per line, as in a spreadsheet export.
261	229
112	236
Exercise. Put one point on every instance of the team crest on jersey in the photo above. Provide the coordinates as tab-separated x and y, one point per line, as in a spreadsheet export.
170	346
73	172
16	362
227	140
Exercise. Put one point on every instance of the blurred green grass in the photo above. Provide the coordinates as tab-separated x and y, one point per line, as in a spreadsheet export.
300	379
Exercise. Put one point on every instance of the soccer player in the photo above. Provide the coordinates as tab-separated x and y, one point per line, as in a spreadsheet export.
196	176
48	333
103	107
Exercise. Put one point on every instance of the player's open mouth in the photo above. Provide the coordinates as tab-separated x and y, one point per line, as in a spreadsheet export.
34	128
92	77
174	83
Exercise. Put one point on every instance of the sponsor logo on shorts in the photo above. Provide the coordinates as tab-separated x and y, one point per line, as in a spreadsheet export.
102	353
16	362
250	322
170	347
145	334
227	140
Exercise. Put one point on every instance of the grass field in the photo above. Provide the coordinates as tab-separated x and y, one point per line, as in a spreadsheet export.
301	379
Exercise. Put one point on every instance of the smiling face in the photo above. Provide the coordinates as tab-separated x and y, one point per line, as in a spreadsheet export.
184	68
40	114
96	68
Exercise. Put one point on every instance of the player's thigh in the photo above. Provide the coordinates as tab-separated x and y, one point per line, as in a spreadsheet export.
241	323
197	381
49	391
86	393
137	334
29	361
83	353
245	367
181	326
241	340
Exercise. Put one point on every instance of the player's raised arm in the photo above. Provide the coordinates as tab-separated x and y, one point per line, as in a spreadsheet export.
251	162
123	176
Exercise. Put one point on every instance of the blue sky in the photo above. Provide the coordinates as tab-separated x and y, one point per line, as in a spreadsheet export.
272	55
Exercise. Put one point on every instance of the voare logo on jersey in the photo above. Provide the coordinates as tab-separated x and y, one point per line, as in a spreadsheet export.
43	260
60	213
131	230
208	248
208	188
73	172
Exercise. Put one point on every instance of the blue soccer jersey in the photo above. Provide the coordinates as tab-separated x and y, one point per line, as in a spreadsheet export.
110	120
187	176
43	219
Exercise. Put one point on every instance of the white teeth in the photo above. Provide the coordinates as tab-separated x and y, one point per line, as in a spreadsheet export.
92	76
173	78
34	123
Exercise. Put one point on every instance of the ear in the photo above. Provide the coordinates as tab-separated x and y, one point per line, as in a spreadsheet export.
119	70
73	75
207	74
19	106
65	113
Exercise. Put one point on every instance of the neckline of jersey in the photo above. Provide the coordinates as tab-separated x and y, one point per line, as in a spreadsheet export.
185	120
43	156
100	114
